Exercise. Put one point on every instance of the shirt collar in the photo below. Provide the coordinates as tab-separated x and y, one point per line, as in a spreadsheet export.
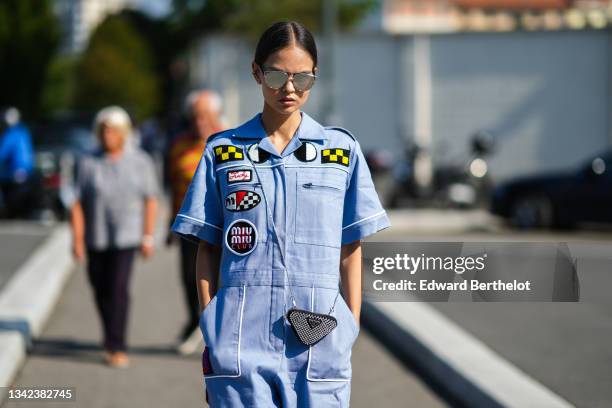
309	129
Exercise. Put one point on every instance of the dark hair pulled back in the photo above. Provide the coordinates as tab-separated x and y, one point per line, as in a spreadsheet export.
281	34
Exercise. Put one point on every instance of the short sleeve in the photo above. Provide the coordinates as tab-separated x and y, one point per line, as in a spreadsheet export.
363	212
150	182
72	192
201	215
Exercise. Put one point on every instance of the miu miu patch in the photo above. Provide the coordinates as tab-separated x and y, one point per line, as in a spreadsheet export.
241	237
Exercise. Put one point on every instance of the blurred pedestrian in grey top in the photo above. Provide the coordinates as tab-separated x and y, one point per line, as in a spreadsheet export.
112	215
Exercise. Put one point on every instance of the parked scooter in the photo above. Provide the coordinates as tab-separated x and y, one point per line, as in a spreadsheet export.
466	184
455	184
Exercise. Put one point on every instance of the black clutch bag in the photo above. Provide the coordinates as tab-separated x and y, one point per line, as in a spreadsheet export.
310	327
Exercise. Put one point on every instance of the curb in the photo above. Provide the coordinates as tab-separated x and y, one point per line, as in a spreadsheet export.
460	367
27	300
437	221
12	356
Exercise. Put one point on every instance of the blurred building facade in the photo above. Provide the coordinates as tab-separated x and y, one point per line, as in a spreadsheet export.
414	16
545	95
78	18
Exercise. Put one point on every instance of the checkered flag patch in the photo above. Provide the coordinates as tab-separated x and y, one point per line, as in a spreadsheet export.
249	201
242	200
339	156
225	153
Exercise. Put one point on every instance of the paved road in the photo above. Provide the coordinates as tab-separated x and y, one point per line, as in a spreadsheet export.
68	353
17	240
565	346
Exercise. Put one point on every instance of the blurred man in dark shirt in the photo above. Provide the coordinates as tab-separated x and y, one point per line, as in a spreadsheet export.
184	153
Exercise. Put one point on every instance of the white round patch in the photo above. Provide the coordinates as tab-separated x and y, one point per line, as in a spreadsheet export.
253	152
311	152
307	152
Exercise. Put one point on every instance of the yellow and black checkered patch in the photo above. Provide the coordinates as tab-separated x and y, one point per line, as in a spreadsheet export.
340	156
225	153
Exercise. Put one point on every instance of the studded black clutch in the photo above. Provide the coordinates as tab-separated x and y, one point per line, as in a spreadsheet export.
310	327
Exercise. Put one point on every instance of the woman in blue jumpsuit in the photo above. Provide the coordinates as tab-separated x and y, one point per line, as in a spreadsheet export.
279	182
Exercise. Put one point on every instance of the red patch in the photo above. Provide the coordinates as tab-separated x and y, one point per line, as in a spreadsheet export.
240	196
206	367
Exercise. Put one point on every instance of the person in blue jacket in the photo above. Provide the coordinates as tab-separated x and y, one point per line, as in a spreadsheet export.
16	162
278	206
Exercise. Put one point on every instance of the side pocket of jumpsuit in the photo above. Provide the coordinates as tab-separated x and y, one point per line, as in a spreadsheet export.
221	326
330	359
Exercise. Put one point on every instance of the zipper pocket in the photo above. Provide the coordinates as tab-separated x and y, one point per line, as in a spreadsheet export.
324	186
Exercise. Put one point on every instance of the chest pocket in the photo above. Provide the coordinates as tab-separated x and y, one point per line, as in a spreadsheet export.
319	208
245	201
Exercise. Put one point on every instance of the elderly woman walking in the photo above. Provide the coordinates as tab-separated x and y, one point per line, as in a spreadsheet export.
113	215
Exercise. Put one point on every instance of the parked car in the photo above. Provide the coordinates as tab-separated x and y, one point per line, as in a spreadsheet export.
559	199
57	144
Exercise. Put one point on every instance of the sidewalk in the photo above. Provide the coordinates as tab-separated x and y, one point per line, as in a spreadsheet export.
67	353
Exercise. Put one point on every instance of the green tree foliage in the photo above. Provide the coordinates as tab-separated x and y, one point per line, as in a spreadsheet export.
29	36
134	60
119	68
166	48
251	17
58	91
306	12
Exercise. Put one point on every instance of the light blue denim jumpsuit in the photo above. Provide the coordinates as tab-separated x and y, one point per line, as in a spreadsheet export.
320	195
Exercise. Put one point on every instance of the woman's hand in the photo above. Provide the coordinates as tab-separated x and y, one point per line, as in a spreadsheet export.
350	275
147	247
207	275
77	225
78	250
356	316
